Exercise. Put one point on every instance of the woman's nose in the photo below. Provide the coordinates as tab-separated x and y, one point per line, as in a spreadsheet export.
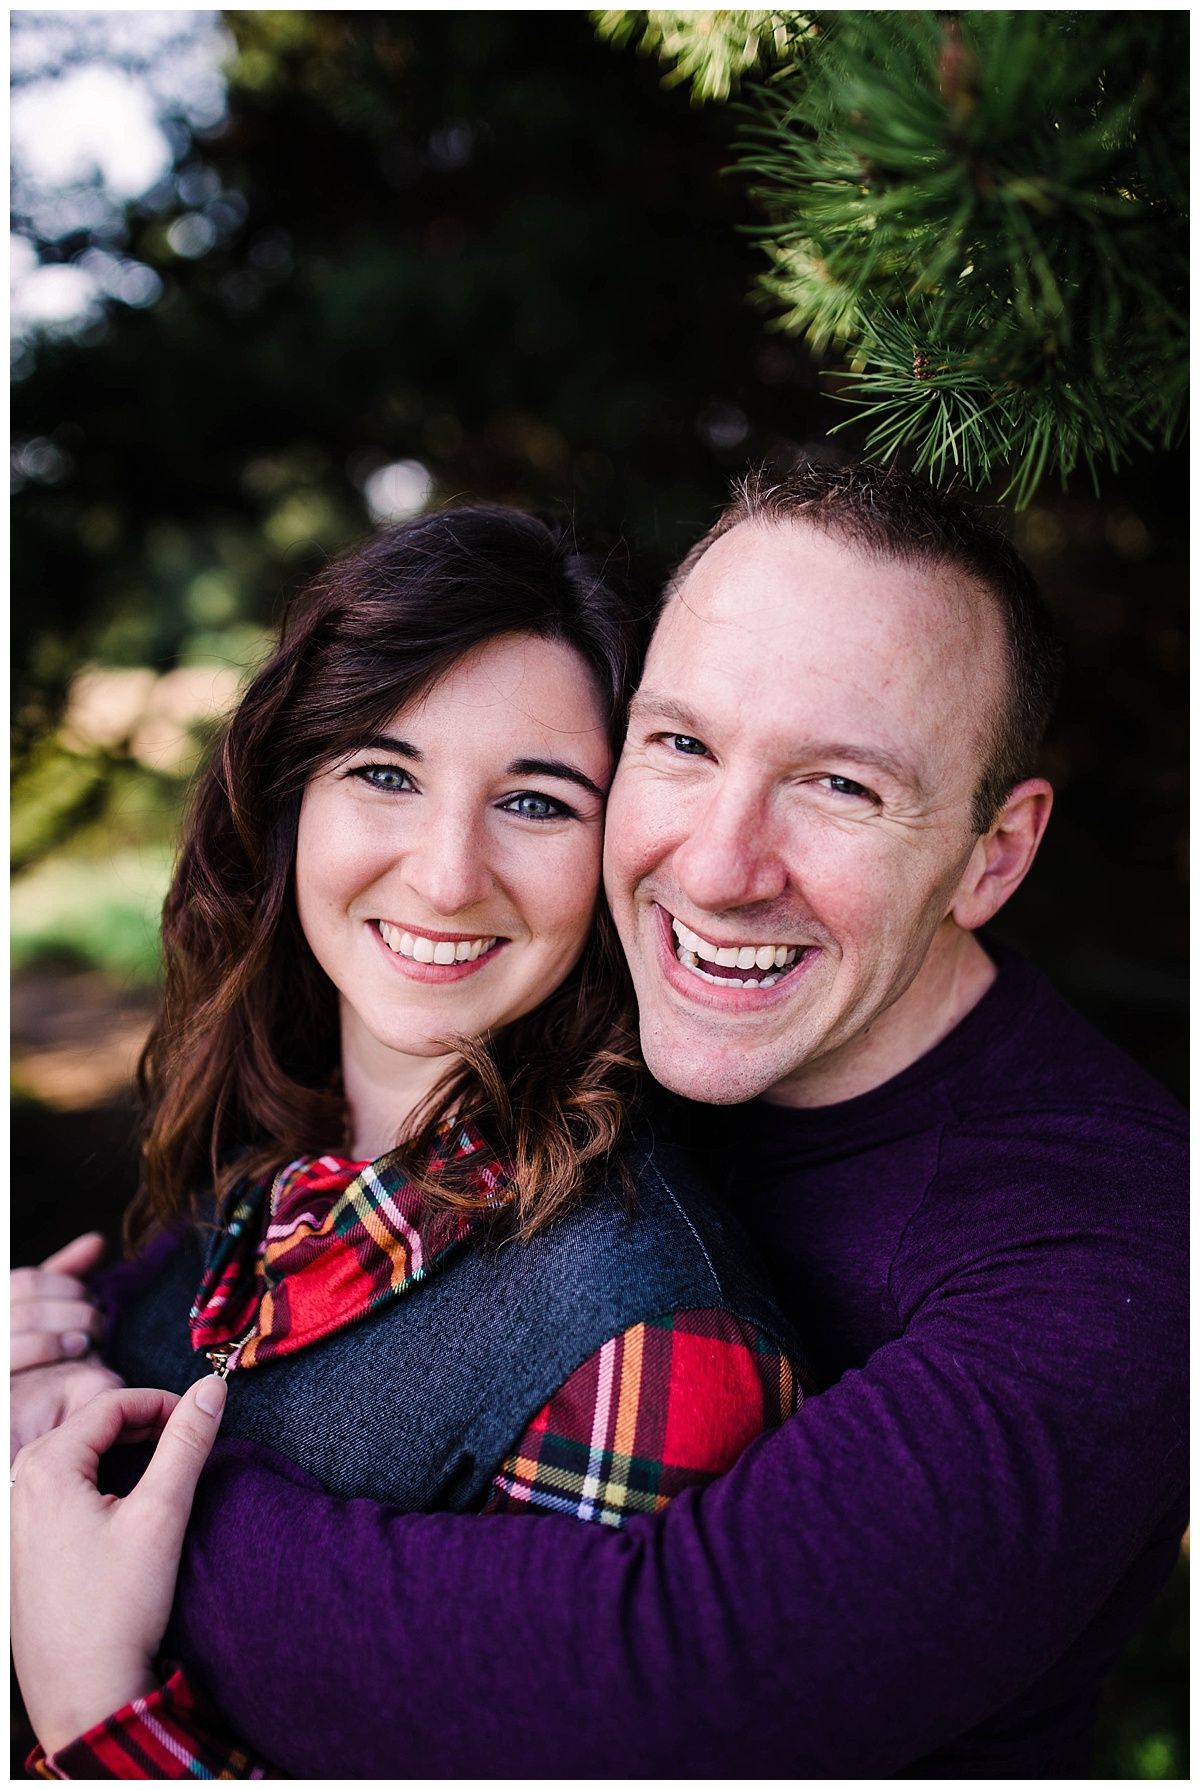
447	868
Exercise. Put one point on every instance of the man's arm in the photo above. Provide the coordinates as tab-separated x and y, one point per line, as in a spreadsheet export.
901	1559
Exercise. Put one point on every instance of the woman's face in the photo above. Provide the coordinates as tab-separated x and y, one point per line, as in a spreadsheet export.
447	871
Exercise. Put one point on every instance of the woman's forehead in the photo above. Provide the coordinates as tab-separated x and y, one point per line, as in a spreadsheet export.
514	685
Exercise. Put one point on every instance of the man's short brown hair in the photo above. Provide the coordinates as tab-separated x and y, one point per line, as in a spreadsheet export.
897	515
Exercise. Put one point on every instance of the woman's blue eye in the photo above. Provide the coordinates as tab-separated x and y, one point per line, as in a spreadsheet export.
683	742
384	776
531	806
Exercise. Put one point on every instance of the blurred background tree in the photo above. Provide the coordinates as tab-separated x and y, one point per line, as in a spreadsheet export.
279	276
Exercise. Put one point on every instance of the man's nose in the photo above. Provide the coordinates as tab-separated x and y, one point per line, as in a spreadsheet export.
448	868
730	856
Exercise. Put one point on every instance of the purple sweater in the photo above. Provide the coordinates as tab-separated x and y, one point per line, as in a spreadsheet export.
928	1571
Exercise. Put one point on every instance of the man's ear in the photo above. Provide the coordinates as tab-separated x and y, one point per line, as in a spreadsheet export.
1003	855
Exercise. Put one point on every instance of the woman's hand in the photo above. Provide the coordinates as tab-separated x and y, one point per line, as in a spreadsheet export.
43	1397
51	1316
52	1324
93	1577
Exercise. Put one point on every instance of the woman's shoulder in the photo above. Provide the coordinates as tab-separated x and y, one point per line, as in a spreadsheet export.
654	1238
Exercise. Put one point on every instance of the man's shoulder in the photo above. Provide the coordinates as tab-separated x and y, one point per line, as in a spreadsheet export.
1053	1135
1025	1050
651	1238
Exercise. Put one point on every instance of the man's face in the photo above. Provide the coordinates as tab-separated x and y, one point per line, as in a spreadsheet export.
796	784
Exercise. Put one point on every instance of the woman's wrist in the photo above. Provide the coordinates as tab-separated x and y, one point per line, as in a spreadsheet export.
84	1706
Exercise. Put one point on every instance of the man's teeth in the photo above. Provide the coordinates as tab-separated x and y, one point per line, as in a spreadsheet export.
424	950
693	951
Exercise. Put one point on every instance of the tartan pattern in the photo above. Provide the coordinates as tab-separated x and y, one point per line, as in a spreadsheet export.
173	1733
668	1404
326	1241
663	1406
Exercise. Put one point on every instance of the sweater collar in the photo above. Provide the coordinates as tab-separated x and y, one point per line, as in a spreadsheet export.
996	1024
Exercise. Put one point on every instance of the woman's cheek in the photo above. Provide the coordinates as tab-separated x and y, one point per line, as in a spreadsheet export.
578	881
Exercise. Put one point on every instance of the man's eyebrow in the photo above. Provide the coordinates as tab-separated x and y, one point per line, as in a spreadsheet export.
646	702
874	756
387	742
553	767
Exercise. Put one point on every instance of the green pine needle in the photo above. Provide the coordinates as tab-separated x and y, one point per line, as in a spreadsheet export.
985	212
712	50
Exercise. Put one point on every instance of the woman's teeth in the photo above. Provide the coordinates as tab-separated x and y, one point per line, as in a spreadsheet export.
423	950
769	962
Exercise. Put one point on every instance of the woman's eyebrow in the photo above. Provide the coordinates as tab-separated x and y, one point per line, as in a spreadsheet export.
386	742
553	767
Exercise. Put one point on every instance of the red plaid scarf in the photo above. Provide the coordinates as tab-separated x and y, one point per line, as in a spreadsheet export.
324	1242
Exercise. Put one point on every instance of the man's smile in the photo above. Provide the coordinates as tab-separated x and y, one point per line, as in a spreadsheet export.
741	970
742	965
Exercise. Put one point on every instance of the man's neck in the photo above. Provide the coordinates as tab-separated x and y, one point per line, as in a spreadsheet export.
954	977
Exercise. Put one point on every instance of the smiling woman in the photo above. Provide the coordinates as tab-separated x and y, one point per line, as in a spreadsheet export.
440	889
397	1032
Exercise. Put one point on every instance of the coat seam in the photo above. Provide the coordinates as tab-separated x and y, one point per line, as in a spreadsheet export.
672	1196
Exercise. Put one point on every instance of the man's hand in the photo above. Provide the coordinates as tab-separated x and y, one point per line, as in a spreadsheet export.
51	1315
93	1577
41	1398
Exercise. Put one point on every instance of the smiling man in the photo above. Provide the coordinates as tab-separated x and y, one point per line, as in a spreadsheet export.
974	1204
807	828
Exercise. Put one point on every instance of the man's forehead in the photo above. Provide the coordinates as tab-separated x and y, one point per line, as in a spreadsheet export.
761	574
794	639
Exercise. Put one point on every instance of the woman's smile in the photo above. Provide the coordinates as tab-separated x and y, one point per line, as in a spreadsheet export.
436	957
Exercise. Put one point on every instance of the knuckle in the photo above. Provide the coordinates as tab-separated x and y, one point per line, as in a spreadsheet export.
190	1436
30	1471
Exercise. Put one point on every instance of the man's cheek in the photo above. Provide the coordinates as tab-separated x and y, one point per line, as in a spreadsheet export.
864	899
641	830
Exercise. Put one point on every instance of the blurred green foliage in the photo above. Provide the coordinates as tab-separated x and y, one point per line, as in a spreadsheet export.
712	51
1144	1716
479	241
82	911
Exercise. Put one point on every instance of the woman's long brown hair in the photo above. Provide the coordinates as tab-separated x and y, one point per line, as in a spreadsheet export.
241	1073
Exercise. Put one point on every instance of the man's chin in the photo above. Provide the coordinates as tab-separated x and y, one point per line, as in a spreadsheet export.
712	1077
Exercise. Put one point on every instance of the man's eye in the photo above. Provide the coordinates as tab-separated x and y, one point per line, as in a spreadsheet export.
387	777
532	806
683	742
846	786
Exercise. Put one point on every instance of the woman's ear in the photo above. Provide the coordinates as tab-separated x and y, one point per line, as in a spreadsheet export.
1003	855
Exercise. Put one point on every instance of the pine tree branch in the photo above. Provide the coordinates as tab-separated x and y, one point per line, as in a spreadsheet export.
985	212
712	50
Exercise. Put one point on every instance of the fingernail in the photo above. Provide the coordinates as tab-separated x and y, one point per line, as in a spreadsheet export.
75	1343
211	1395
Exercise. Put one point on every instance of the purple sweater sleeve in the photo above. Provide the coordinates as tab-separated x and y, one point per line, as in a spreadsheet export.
902	1559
